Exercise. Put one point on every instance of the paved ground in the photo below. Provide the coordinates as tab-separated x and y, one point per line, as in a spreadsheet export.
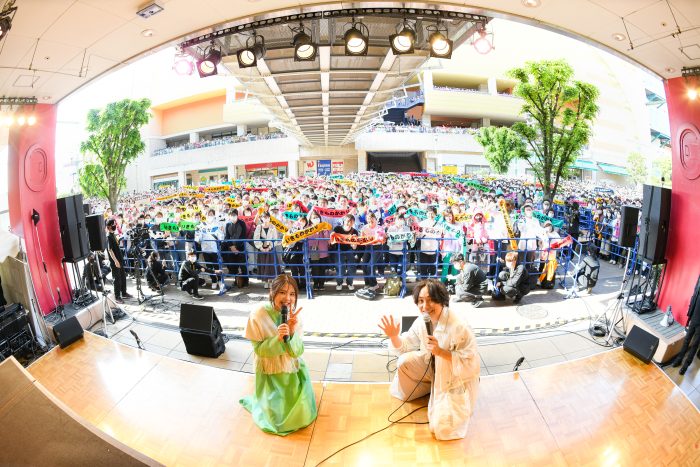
343	342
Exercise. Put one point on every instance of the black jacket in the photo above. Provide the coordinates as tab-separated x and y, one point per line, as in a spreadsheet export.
191	271
234	231
693	311
519	279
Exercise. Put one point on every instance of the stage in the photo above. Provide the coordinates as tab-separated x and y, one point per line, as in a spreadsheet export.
605	409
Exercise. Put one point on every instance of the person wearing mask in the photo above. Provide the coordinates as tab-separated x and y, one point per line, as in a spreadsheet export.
574	219
452	244
479	236
429	244
346	253
155	272
233	248
116	262
399	239
471	282
513	282
548	256
373	254
318	252
264	240
530	231
294	255
207	235
189	275
453	379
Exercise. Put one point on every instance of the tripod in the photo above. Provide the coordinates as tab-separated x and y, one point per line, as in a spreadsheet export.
106	301
608	327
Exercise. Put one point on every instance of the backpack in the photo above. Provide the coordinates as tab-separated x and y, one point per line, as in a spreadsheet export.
366	294
392	288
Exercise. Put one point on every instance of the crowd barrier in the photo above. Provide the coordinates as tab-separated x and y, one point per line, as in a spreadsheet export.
339	264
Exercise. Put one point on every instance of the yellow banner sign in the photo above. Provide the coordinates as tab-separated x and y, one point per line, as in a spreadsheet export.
304	233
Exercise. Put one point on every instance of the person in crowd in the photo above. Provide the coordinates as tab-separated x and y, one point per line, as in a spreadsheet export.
548	255
190	281
233	248
513	282
373	254
318	252
471	283
399	240
294	258
266	236
156	277
452	243
530	231
116	263
95	272
445	365
478	237
574	219
429	245
691	343
347	253
208	236
586	274
284	399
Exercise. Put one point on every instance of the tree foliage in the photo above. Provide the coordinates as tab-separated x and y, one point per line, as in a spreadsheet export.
662	168
501	146
637	167
559	113
114	141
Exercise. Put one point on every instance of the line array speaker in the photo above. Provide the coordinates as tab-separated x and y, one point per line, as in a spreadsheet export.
96	232
71	223
629	220
656	214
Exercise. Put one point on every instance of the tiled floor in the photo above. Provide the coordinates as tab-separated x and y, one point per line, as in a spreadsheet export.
372	362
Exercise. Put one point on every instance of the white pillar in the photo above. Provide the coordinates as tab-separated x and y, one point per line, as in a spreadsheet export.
427	81
181	179
492	87
231	172
293	169
425	119
361	161
486	121
194	137
241	130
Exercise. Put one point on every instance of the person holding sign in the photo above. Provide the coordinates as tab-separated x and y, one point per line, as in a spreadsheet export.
347	253
265	236
284	399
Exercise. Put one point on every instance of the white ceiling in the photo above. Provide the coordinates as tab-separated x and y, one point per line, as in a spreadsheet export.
57	46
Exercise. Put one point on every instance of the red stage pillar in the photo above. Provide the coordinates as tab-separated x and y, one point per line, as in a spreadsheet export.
32	186
682	250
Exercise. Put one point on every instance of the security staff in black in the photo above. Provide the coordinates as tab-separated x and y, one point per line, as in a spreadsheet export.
116	261
691	343
189	275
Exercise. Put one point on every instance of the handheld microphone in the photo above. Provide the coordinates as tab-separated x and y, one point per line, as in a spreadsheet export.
285	314
138	341
429	330
518	363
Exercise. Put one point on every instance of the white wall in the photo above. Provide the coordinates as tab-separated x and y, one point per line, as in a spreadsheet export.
418	142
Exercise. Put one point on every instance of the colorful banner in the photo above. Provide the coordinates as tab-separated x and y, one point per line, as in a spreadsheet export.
344	181
169	227
233	203
455	232
293	215
218	188
337	177
330	212
323	167
509	226
544	218
185	225
303	208
430	232
279	225
359	240
310	168
337	167
304	233
398	237
417	213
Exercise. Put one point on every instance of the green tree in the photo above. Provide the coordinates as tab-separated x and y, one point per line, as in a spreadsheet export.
637	167
662	168
501	146
559	113
114	141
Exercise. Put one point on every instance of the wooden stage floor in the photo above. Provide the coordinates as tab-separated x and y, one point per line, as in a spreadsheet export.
607	409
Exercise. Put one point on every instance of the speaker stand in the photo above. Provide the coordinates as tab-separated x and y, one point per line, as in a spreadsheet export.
617	316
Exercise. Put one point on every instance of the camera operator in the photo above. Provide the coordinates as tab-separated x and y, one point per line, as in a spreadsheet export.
116	261
189	275
95	274
573	218
155	272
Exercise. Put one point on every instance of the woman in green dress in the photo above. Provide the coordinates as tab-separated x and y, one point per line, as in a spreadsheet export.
284	400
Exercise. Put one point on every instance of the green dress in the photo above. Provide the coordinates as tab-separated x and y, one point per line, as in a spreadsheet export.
284	399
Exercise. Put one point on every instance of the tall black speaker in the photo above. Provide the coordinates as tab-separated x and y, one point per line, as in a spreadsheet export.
97	236
629	220
201	330
71	223
656	214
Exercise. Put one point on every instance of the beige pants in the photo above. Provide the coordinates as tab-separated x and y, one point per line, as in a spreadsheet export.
410	369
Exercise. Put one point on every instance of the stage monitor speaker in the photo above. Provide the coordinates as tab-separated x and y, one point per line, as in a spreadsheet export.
201	330
656	214
641	344
97	236
68	331
87	209
629	220
71	223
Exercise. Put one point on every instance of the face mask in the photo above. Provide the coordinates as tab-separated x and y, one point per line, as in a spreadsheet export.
210	219
159	220
315	221
192	259
400	223
528	214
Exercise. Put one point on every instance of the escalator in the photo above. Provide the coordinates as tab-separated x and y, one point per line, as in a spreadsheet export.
383	162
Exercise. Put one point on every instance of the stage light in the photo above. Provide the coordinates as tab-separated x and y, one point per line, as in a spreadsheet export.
440	45
356	39
21	120
8	120
254	51
482	44
692	94
304	48
210	59
31	120
404	41
182	64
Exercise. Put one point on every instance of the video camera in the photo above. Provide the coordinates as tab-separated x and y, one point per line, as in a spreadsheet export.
139	235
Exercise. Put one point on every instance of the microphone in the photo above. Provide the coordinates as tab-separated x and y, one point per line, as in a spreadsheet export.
138	341
518	363
429	330
285	313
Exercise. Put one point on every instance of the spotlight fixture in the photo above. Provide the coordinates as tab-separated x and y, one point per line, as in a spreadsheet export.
692	94
31	120
211	57
254	51
531	3
182	64
21	120
403	42
304	48
482	44
6	16
356	39
619	36
440	45
691	76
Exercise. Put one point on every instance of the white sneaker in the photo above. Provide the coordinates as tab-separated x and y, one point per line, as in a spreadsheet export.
339	287
266	285
214	286
351	287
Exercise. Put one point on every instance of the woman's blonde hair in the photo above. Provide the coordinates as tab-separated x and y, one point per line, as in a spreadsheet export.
278	284
511	256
